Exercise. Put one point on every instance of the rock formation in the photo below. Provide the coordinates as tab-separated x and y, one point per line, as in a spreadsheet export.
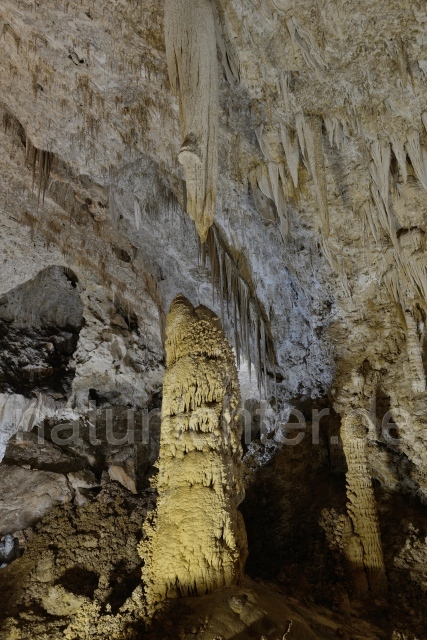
414	347
362	506
196	542
300	128
193	73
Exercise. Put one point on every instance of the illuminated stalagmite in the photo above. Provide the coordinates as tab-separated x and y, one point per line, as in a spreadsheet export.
193	71
415	354
361	502
196	541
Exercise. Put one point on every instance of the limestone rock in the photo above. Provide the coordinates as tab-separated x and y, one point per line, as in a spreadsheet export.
31	449
27	495
120	474
82	481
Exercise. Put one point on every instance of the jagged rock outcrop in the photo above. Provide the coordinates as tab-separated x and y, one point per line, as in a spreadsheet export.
27	495
80	564
20	414
196	542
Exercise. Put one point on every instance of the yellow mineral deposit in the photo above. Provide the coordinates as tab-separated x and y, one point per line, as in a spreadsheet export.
196	541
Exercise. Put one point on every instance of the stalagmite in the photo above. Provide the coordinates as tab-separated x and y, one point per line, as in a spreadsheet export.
361	501
415	355
193	72
196	540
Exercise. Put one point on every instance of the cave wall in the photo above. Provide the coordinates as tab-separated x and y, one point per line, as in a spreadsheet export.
320	212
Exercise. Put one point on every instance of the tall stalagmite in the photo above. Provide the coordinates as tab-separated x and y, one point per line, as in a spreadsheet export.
193	71
361	501
415	354
196	540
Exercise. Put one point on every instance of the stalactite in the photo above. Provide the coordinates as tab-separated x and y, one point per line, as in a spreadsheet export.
40	161
369	217
276	173
227	49
386	218
416	154
193	72
335	131
304	41
361	501
415	354
291	149
380	168
270	180
380	185
251	332
400	155
262	194
312	128
196	541
299	124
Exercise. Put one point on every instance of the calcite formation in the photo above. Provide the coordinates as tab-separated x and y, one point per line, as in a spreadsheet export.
366	549
415	354
301	128
193	72
196	542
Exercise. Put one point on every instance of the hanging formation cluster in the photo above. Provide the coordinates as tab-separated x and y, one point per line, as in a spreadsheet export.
196	540
40	161
252	337
193	72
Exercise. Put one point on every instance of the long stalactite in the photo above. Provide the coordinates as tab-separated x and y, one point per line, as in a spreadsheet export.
193	71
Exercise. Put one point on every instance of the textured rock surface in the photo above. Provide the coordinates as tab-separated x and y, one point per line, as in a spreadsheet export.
320	220
27	495
365	547
196	542
81	559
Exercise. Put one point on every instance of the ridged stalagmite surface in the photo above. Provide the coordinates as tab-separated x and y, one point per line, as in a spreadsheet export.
415	355
361	501
193	72
196	542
